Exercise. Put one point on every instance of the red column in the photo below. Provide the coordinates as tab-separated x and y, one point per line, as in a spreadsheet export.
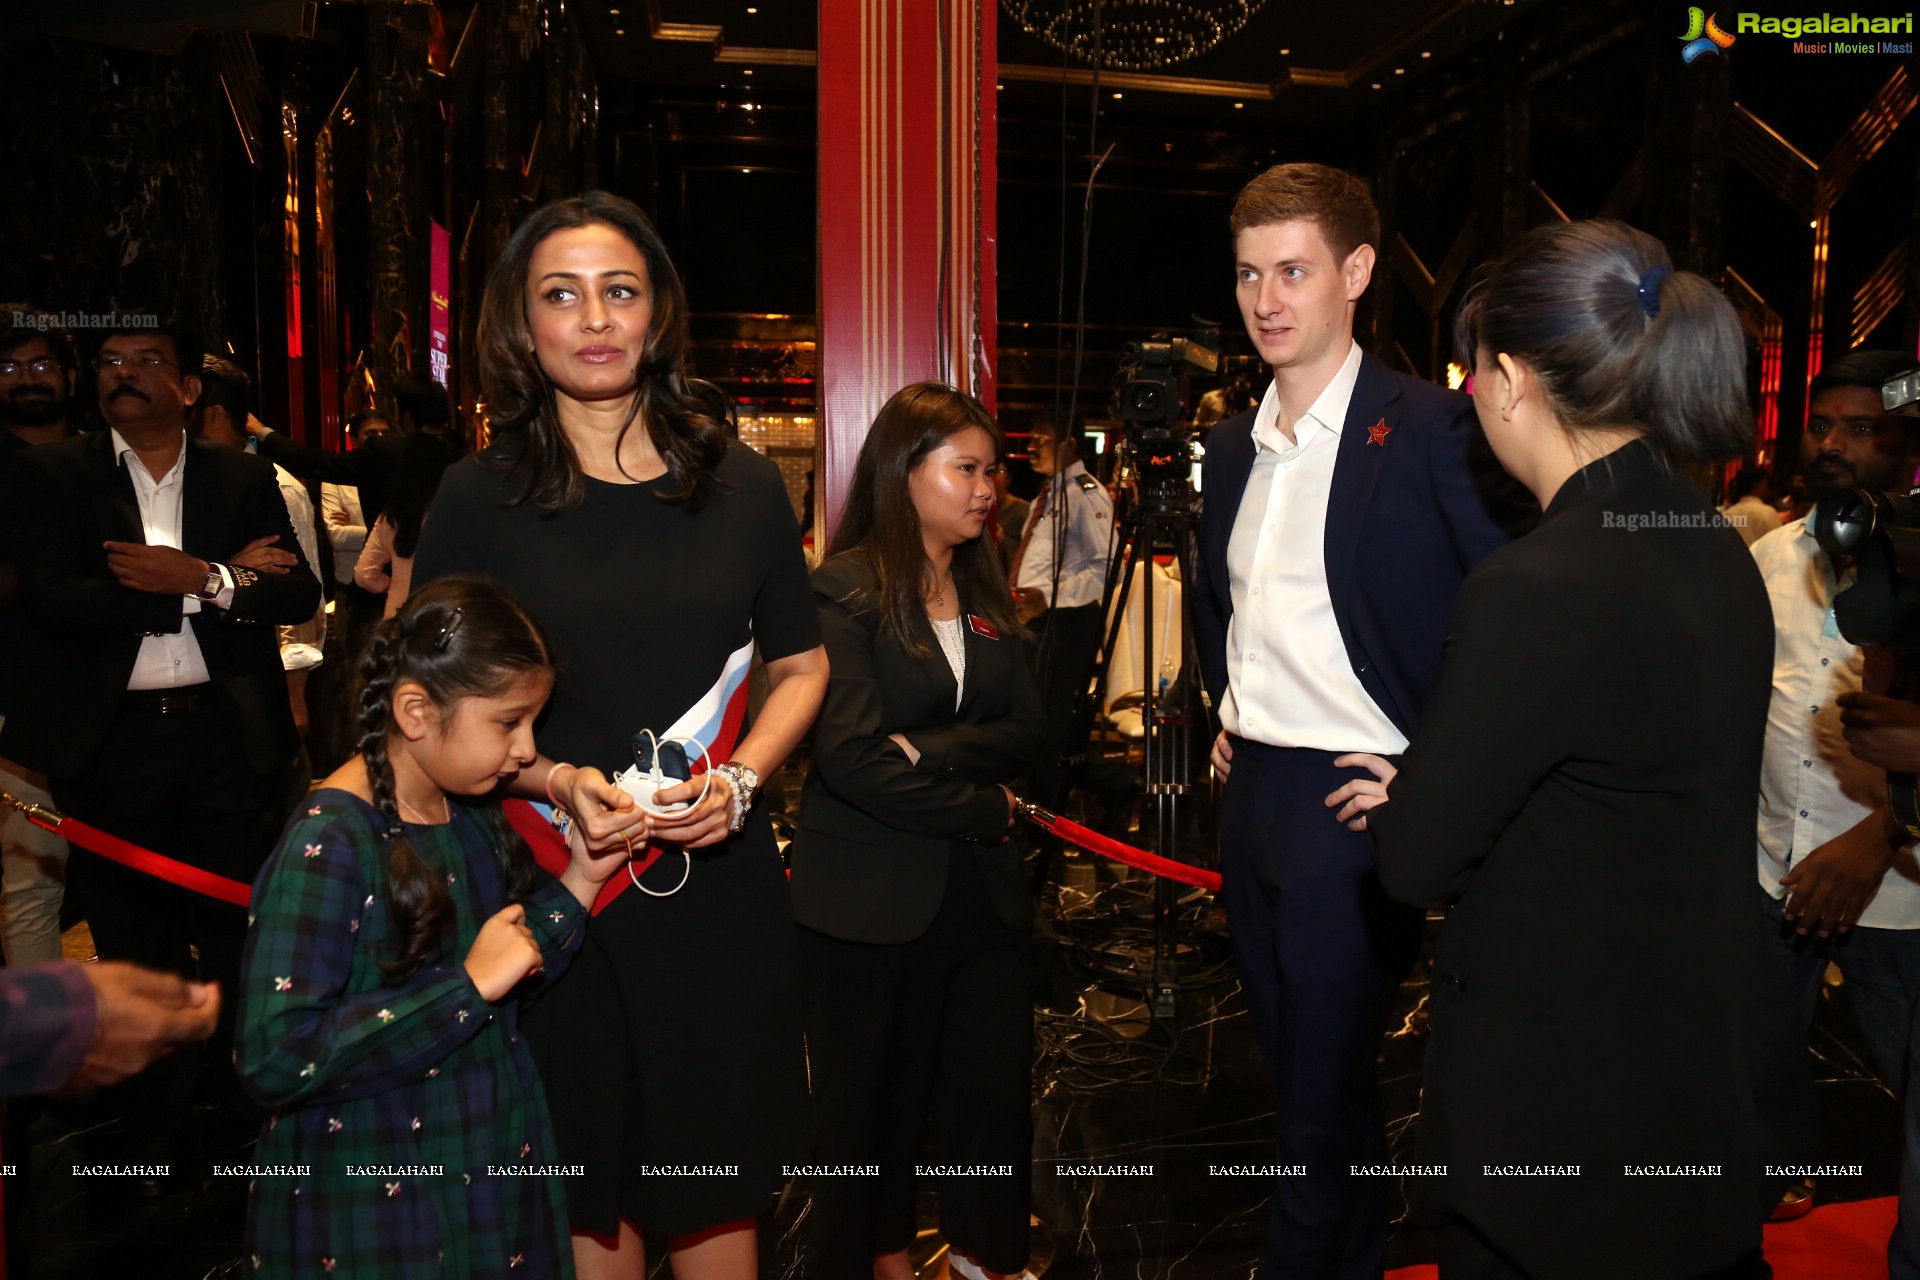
906	213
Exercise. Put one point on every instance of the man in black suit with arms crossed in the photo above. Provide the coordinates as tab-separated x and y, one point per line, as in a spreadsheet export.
154	570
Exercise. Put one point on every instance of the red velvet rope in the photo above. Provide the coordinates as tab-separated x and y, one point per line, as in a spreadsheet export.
221	888
1093	842
112	847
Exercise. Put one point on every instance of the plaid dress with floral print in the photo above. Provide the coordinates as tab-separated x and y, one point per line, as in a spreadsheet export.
409	1134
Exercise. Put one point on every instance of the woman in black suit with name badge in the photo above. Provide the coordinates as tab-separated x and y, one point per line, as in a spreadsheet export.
1581	789
912	905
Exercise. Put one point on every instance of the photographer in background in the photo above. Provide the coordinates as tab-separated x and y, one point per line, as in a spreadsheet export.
1837	877
1059	570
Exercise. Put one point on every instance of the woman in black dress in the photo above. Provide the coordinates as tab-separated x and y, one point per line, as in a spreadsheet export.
657	554
1581	789
912	905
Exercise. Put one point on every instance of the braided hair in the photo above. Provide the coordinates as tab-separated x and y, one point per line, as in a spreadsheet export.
461	637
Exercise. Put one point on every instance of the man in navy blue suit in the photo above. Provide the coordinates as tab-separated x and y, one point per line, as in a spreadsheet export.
1341	516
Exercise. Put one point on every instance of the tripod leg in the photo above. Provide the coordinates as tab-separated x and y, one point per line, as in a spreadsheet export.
1086	709
1089	688
1171	771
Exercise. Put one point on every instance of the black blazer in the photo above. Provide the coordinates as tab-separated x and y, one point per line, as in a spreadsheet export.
1582	790
84	628
870	858
1411	509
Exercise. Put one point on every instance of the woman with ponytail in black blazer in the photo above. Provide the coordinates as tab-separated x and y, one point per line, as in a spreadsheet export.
912	907
1581	791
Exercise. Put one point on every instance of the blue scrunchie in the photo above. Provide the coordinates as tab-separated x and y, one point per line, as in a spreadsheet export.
1650	289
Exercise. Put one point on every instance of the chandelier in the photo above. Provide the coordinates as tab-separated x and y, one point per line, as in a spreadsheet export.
1135	35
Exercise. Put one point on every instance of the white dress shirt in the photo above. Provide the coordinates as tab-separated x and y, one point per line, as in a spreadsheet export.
348	538
953	643
1083	571
167	661
1289	680
1812	786
302	644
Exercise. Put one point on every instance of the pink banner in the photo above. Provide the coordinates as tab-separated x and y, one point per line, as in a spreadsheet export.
439	284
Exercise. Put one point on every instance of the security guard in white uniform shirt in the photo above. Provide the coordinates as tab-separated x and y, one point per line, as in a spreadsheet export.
1058	574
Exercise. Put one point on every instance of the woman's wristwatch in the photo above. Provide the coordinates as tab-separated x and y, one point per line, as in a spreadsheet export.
742	785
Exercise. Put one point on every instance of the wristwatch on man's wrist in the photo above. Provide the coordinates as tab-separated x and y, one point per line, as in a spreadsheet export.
213	584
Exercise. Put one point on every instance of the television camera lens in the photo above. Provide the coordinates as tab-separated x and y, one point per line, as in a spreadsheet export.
1843	520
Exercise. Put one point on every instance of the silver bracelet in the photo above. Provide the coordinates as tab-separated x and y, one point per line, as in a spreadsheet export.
743	785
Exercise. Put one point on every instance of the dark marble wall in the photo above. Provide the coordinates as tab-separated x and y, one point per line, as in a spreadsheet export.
401	145
112	176
158	181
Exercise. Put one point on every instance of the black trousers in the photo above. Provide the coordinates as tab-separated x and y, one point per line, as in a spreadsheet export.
177	784
941	1028
1065	643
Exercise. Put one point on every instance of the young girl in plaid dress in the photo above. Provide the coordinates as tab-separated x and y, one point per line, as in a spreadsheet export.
393	933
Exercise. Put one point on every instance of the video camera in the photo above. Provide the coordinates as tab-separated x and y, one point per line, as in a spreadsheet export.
1881	533
1155	449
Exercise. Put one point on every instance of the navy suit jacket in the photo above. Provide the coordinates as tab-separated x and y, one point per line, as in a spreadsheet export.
1406	519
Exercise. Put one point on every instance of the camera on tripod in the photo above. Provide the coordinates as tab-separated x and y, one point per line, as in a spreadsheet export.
1155	449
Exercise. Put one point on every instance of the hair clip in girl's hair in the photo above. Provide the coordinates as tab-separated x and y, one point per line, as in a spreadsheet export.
452	625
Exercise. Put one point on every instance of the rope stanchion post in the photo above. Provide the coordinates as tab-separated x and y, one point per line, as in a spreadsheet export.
38	814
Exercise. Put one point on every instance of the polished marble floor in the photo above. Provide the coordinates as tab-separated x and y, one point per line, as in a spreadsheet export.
1112	1087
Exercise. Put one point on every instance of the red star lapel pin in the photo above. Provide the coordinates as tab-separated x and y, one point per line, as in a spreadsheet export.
1378	433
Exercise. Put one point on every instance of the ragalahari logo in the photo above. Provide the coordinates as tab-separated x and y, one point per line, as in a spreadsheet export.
1703	35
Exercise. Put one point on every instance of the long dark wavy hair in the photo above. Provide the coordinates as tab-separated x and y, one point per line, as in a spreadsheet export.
683	417
881	522
461	637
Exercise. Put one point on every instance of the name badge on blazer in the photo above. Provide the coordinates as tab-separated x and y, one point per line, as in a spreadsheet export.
981	627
